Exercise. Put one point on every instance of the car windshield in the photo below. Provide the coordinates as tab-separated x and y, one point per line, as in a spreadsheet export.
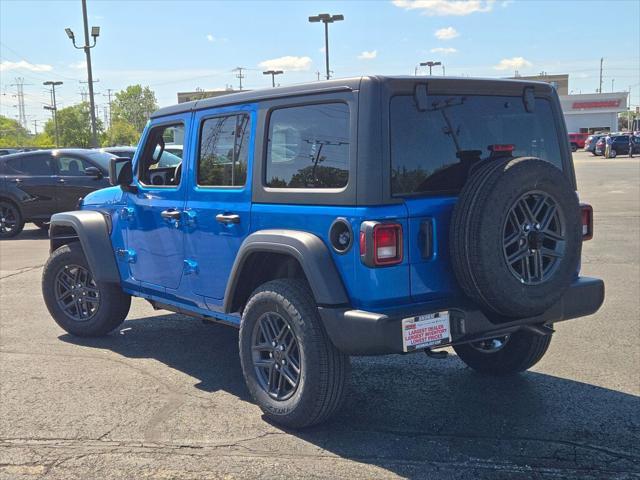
101	158
432	151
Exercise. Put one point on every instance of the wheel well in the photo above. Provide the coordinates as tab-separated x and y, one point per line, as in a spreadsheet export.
12	202
262	267
62	235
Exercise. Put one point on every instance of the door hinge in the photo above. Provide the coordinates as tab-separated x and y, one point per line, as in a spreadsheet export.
126	213
190	266
127	255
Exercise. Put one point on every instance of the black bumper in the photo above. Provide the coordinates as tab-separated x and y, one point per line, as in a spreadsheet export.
357	332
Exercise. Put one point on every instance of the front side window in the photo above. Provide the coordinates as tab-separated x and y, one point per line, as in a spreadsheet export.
72	166
308	147
222	161
433	151
156	166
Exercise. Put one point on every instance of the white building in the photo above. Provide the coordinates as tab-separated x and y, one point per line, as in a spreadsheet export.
593	112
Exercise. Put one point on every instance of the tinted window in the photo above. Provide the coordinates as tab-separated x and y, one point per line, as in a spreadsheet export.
308	147
72	166
31	165
432	151
223	154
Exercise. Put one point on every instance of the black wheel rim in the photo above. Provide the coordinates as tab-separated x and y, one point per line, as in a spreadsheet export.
8	219
276	356
77	293
491	345
533	238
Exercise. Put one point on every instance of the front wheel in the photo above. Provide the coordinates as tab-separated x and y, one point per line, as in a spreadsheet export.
77	302
11	221
505	355
291	368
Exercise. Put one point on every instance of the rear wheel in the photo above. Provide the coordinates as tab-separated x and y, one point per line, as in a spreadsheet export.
505	355
293	371
11	221
77	302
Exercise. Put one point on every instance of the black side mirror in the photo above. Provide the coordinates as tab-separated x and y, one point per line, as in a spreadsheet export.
93	172
121	173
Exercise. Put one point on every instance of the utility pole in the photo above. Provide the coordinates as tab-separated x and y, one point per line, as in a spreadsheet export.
326	19
95	33
612	80
273	74
239	76
318	75
109	90
22	118
601	61
54	107
35	127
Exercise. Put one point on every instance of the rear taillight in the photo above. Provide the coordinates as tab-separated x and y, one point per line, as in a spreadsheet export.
586	213
380	244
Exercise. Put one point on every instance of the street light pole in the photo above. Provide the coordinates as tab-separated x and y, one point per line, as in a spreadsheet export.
430	64
326	19
95	32
273	74
54	109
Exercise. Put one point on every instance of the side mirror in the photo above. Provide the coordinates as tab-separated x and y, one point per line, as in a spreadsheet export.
93	172
121	173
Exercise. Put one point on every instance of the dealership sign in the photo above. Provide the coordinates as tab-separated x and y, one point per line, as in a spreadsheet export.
598	104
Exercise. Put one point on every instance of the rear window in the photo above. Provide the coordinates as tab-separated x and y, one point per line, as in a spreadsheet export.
308	147
432	151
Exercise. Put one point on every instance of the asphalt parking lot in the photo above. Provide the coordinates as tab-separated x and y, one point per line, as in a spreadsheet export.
163	397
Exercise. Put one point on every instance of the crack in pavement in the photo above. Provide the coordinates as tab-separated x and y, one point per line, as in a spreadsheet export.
21	271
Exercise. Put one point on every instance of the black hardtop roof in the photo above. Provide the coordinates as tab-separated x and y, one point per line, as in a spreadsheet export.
325	86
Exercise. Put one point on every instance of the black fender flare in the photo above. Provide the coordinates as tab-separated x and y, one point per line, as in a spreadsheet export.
308	249
92	230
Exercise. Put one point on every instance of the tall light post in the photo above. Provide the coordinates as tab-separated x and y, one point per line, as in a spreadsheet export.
430	64
326	19
273	74
54	108
95	33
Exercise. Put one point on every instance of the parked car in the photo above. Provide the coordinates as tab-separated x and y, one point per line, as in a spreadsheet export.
361	216
35	185
577	140
8	151
590	143
620	145
167	159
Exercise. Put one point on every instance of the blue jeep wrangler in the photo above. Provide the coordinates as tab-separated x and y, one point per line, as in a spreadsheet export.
364	216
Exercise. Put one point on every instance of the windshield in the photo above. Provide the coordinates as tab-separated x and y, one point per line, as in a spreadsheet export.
432	151
101	158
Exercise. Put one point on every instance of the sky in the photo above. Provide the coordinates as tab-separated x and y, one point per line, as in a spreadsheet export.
174	46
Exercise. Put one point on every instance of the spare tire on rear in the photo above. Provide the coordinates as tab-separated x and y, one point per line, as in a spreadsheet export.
516	236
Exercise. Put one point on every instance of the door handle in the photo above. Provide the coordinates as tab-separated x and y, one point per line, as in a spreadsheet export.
171	214
228	218
61	180
17	180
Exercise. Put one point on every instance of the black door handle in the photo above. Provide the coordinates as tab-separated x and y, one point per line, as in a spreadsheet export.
228	218
171	214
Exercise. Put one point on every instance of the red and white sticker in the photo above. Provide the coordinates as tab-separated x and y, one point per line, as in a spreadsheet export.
430	330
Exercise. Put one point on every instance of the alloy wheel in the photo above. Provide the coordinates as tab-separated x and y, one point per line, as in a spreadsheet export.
77	293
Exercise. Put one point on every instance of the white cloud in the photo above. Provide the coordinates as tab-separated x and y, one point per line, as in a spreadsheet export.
443	50
212	39
368	55
446	7
512	63
288	63
78	65
6	65
446	33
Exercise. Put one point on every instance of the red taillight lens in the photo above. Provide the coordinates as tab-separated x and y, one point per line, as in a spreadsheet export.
587	221
502	148
387	244
363	243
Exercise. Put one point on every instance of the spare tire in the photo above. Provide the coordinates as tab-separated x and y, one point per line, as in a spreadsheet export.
516	236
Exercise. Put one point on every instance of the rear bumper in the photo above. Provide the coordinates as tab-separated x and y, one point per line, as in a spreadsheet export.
357	332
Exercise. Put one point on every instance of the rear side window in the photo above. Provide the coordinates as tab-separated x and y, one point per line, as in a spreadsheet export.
433	151
308	147
222	161
31	165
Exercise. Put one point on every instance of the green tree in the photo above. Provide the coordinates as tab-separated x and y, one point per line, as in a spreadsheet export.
134	105
12	134
121	133
74	126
